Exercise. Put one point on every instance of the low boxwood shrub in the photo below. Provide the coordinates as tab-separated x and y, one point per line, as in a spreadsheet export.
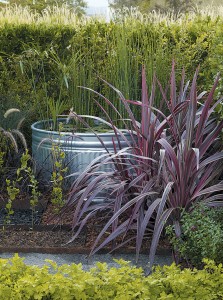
19	281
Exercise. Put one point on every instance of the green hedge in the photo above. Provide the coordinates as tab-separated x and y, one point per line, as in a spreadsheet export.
43	61
19	281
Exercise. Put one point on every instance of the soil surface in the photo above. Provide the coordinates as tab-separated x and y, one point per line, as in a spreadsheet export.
51	234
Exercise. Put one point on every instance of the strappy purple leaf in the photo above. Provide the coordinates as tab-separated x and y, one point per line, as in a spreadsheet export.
171	162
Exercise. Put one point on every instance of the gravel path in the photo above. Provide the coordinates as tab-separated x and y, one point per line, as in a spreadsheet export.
87	263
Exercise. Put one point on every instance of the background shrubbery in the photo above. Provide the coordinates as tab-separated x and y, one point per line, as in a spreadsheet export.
46	58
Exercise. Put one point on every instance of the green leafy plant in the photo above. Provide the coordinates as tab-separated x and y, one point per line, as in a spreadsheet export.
57	178
58	174
13	192
23	174
201	235
33	183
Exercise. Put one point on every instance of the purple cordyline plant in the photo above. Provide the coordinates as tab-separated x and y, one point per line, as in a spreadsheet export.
191	166
170	163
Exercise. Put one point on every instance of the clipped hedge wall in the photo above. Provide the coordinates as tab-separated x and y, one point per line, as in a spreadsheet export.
43	61
19	281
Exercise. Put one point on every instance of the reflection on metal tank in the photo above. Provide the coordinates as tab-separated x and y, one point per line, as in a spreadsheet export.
80	148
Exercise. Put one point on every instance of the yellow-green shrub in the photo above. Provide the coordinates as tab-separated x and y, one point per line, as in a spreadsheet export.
19	281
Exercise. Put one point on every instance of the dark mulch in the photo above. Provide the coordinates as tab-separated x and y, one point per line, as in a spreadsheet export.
52	234
26	216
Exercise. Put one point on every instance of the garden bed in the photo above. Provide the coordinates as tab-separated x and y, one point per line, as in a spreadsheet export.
51	235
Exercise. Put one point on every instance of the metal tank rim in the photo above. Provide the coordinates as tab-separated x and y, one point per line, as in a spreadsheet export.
34	127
